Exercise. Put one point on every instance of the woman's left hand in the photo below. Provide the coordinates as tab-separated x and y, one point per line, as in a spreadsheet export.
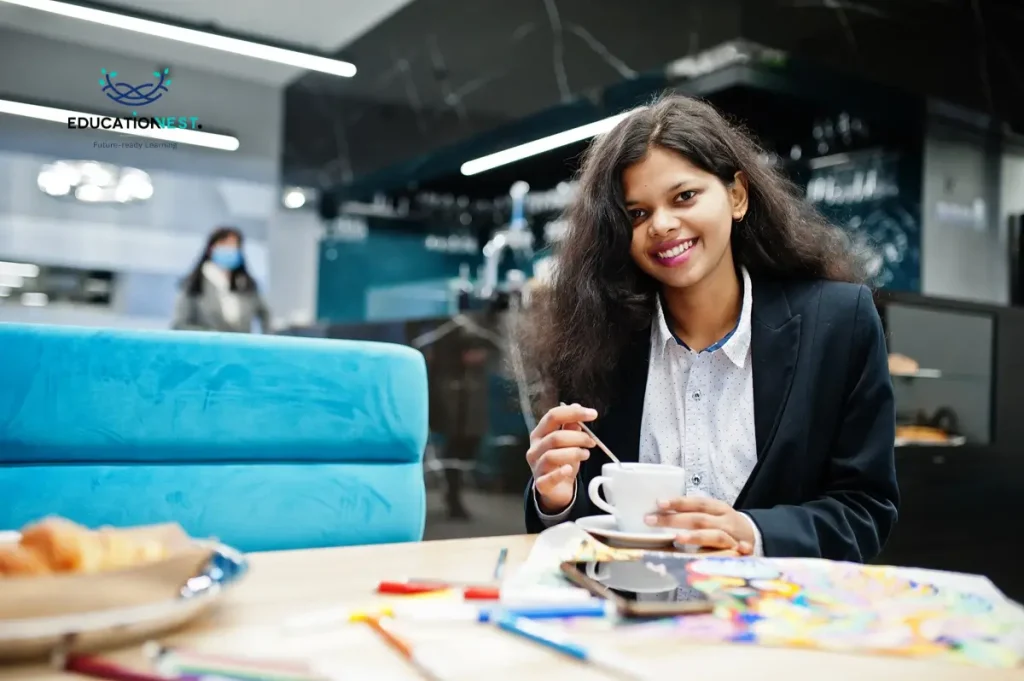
705	522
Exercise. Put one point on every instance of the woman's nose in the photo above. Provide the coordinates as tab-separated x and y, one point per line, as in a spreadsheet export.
663	222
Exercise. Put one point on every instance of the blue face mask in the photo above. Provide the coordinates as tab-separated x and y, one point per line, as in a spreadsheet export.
226	257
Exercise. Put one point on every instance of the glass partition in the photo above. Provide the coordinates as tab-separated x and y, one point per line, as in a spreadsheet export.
941	361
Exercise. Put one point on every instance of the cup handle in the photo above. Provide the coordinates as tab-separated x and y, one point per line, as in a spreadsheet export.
594	490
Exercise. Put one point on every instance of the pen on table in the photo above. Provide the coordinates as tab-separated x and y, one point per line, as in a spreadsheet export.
554	639
406	588
598	609
499	568
98	668
520	598
450	612
208	666
403	647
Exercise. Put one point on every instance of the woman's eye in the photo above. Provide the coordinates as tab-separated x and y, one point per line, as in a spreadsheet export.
687	195
637	214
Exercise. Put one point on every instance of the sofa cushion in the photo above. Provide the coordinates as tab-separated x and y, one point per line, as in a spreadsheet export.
76	395
253	507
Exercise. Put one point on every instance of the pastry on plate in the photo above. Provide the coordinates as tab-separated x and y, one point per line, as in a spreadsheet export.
56	545
16	560
63	545
121	551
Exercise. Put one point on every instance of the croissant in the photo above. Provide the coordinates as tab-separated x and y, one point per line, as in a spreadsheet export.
57	545
16	560
119	551
64	546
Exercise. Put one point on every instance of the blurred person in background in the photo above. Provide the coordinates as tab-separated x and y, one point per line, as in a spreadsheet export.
220	294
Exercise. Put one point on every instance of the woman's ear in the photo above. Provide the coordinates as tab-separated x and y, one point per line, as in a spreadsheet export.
739	195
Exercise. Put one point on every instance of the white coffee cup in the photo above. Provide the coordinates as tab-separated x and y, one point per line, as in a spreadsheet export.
633	491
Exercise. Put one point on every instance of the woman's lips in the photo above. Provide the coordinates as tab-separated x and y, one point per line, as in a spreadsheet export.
675	253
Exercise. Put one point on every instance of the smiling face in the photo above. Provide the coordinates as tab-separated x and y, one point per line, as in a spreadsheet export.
682	218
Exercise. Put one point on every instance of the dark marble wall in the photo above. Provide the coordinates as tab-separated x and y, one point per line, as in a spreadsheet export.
443	71
965	51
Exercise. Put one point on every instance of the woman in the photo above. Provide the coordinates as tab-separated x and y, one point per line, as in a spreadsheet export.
703	315
219	294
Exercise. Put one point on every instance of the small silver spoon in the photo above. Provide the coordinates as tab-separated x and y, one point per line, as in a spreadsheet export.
600	444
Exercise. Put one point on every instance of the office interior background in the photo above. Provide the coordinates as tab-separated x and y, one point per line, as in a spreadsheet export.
366	215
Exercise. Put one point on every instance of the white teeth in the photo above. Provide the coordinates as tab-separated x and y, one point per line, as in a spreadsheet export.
678	250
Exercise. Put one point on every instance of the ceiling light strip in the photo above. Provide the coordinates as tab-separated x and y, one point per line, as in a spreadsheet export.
197	138
561	139
191	36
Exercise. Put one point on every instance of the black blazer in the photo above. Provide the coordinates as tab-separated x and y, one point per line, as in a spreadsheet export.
825	480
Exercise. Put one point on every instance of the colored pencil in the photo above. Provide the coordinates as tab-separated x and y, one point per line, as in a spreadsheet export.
555	640
201	664
403	647
499	569
98	668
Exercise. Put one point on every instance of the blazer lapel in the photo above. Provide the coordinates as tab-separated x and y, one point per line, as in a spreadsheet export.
774	347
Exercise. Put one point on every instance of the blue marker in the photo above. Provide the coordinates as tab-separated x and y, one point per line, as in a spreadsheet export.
556	640
550	612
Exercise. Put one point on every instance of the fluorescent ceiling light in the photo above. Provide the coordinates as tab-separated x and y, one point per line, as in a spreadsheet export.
19	269
193	37
500	158
183	135
34	299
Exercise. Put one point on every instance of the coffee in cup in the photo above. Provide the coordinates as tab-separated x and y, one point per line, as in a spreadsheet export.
633	491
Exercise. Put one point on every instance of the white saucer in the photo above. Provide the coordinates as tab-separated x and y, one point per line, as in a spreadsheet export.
604	527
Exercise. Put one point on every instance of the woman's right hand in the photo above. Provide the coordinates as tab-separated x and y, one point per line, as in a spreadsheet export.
557	446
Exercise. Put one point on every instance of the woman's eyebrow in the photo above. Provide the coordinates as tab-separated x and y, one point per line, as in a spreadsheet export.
677	185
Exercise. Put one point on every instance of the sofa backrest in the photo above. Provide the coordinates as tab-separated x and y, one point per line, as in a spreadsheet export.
160	416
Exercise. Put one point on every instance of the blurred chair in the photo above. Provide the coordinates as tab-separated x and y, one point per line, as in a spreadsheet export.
265	442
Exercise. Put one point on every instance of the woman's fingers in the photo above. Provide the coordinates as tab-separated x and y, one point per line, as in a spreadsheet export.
694	505
712	539
556	458
546	483
560	439
686	521
714	529
561	416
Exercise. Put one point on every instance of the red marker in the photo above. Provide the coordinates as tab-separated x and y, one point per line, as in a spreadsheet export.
409	588
482	593
470	593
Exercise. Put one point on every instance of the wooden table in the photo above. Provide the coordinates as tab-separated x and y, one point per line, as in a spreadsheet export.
283	584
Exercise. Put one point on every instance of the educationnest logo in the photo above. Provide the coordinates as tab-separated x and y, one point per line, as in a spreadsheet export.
135	94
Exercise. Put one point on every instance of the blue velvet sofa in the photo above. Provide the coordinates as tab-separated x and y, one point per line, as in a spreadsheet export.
266	442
